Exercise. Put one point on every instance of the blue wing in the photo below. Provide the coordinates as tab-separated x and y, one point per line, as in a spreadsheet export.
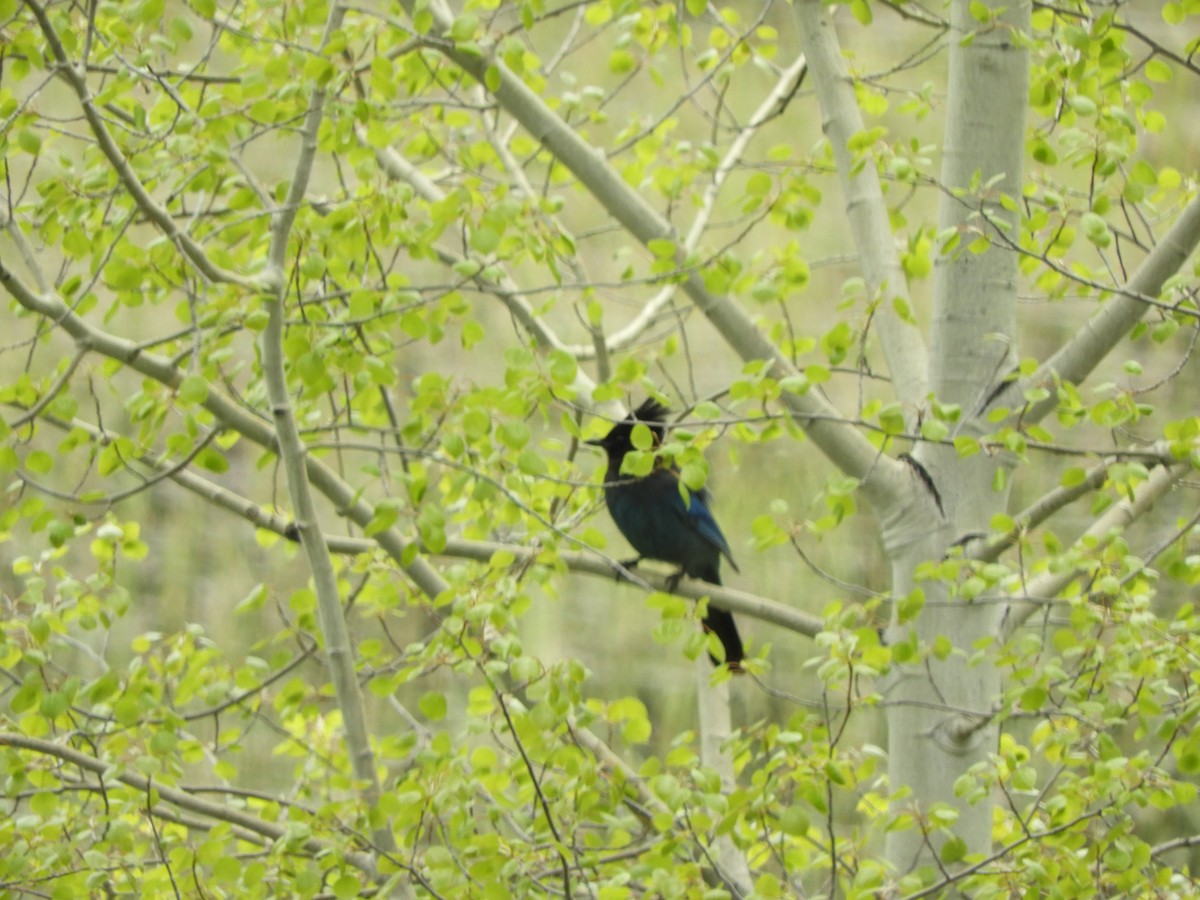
697	516
702	518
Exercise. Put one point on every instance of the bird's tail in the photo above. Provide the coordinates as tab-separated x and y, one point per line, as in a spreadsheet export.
721	623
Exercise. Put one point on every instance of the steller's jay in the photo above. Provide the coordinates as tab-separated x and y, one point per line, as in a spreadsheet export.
656	520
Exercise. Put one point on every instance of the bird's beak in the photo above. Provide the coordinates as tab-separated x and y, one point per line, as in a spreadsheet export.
596	442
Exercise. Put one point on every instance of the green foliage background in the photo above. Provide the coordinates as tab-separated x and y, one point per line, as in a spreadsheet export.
168	722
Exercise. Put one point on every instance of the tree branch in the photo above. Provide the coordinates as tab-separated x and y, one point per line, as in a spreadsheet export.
77	79
1100	534
503	288
773	105
343	497
1043	508
1076	359
271	831
744	603
883	479
866	209
339	652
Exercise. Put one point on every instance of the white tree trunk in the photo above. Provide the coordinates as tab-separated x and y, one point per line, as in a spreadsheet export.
716	724
933	739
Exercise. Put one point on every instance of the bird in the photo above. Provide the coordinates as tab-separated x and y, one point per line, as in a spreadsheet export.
653	516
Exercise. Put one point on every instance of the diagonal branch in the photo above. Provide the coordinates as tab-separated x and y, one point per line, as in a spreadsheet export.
503	287
744	603
884	481
1100	534
1039	511
75	77
773	105
272	831
1076	359
343	497
865	207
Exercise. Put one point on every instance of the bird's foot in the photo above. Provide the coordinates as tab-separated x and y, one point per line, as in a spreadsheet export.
673	581
626	565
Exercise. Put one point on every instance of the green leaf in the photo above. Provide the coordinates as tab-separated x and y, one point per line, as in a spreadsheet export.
861	10
431	522
121	275
1095	229
942	647
662	248
1073	476
910	606
514	435
39	462
891	419
793	821
1084	106
954	850
563	367
934	429
26	696
476	423
192	390
151	11
1025	778
127	711
44	803
253	601
979	11
433	706
384	518
473	333
1164	330
213	460
464	27
759	184
1159	70
642	437
532	463
1034	698
29	141
180	29
694	475
621	62
485	240
636	730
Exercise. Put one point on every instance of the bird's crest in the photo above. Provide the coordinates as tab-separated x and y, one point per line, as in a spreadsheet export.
653	415
651	412
619	439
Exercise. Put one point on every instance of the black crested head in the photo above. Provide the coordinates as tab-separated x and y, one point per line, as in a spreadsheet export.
651	412
619	439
